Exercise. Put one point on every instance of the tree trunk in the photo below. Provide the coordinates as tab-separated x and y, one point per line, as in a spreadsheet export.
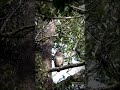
46	53
17	40
26	69
46	43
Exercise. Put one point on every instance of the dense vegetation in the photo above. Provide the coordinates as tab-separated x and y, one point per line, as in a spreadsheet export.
86	31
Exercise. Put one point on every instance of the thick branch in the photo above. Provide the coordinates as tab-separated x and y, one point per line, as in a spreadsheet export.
66	67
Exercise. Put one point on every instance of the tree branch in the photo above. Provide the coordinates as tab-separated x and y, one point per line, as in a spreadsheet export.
45	38
83	11
8	18
66	67
4	17
66	17
8	34
110	87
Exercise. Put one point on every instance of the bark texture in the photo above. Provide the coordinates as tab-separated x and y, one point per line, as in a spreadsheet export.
17	42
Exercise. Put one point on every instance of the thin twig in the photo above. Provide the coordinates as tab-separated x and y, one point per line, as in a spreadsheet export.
46	37
8	18
97	40
111	63
66	17
84	11
8	34
4	17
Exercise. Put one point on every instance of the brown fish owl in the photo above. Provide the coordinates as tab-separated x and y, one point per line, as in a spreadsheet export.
58	58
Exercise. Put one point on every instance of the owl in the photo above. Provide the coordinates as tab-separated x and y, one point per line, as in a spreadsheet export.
58	58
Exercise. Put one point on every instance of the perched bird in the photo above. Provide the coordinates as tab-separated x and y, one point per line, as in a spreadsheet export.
58	58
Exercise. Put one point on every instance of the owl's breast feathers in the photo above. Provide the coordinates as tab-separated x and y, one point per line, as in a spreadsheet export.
58	60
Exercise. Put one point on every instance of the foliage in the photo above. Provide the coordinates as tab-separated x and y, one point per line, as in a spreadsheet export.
70	37
102	39
7	79
70	32
41	73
